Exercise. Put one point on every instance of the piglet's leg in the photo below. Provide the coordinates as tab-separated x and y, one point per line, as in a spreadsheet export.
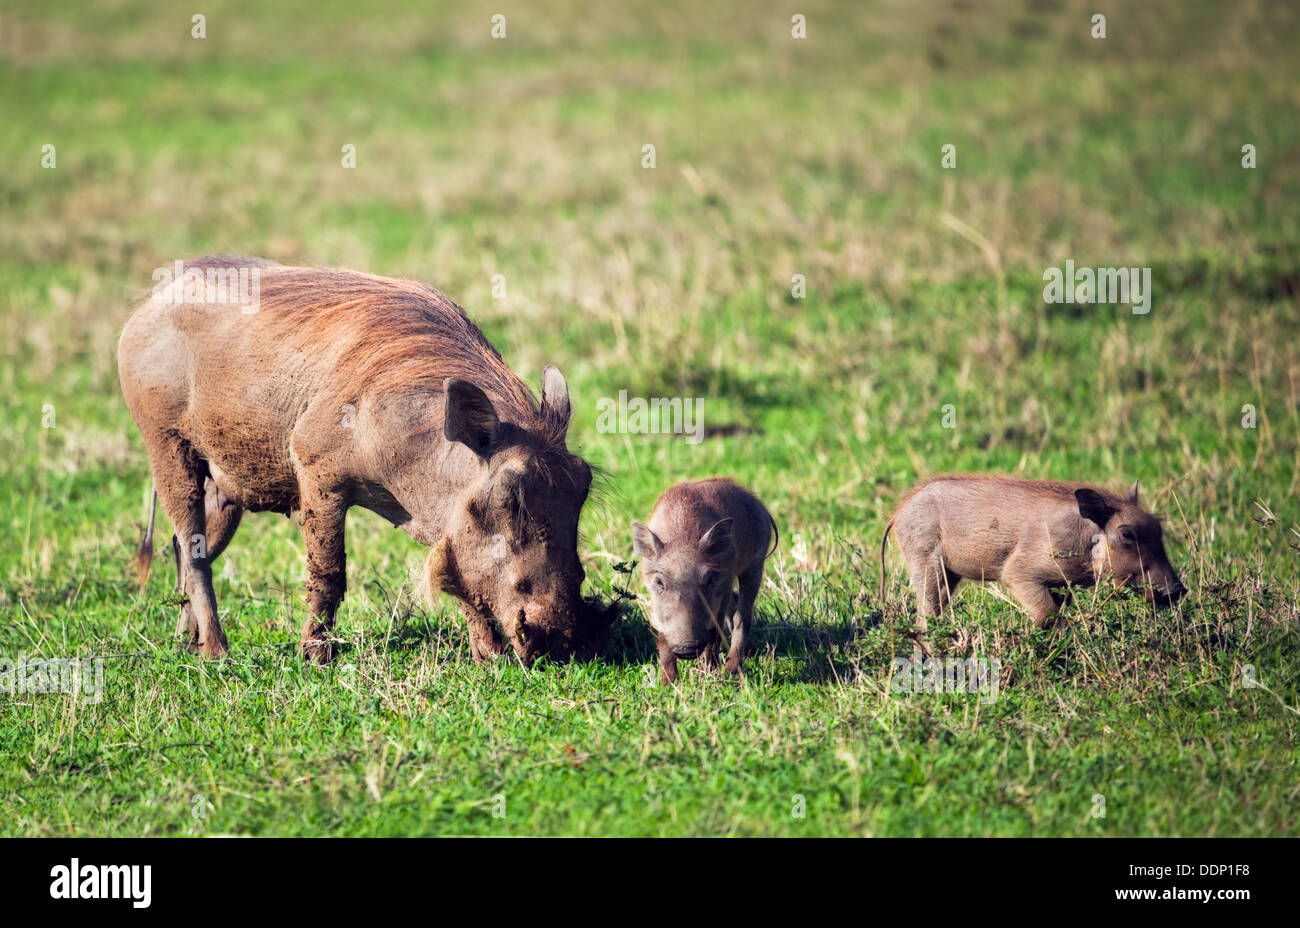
708	660
1034	596
934	585
750	581
667	663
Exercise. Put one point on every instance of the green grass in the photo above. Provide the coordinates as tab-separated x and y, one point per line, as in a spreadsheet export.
774	157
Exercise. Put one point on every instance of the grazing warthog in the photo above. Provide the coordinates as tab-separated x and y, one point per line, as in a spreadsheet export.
338	389
1031	536
703	539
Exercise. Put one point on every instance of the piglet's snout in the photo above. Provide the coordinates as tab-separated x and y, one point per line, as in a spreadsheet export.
1165	589
687	649
1174	590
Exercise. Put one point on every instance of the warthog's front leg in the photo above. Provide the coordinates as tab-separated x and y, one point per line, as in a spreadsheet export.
485	642
323	518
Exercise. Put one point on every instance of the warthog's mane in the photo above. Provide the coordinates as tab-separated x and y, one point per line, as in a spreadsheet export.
393	336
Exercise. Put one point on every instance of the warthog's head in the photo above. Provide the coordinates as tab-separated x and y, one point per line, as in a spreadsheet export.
510	545
1130	548
690	583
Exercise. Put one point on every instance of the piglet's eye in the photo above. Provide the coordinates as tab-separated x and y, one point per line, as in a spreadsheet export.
1126	534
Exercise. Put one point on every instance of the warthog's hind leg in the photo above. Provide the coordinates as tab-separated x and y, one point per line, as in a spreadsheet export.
180	476
221	521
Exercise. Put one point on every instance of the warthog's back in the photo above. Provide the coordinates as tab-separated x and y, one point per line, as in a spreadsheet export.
237	375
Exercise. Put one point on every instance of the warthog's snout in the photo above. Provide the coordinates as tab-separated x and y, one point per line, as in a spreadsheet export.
572	630
537	635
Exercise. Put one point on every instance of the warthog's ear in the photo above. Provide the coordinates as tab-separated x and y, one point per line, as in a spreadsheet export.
469	417
645	543
1092	507
1132	494
717	543
555	394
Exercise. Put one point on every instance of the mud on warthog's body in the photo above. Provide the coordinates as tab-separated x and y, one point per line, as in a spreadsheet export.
345	389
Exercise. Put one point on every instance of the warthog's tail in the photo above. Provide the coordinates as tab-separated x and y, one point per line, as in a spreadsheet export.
145	557
776	534
883	539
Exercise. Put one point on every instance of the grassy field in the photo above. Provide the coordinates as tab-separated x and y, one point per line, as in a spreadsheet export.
774	157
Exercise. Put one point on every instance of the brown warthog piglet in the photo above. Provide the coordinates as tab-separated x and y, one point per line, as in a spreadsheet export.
1031	536
704	540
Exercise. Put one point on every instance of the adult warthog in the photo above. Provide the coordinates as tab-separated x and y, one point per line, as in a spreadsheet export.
310	390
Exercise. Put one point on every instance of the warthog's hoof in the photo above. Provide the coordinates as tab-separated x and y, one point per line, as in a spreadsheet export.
186	625
484	650
214	647
316	646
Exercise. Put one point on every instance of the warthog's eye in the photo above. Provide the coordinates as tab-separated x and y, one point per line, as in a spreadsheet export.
710	578
1126	535
524	587
508	498
657	583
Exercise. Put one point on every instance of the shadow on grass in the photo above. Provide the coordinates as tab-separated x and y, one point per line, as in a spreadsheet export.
825	653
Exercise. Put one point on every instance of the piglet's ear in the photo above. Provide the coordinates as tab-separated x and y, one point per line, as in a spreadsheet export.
1092	507
469	417
645	543
1132	494
717	542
